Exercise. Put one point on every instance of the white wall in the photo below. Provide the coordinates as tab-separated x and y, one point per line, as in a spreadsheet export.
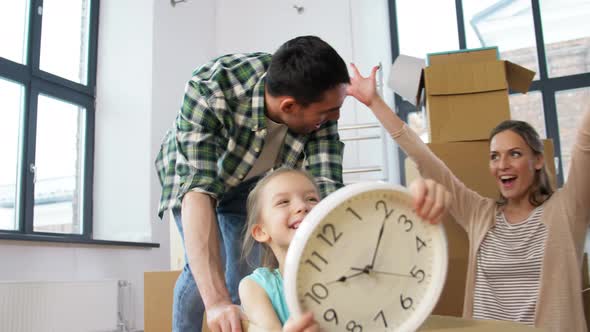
122	154
358	30
147	51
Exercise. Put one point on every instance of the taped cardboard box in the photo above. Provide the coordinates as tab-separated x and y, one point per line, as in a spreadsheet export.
469	161
466	92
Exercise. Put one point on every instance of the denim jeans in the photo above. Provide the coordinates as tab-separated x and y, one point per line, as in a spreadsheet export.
188	307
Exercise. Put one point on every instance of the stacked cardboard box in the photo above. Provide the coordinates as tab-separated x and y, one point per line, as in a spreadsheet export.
466	96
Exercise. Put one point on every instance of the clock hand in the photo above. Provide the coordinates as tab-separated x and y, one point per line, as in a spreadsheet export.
344	278
378	242
365	270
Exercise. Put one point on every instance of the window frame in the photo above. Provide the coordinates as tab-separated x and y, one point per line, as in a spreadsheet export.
36	82
548	86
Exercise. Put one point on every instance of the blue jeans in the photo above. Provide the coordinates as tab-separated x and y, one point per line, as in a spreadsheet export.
188	307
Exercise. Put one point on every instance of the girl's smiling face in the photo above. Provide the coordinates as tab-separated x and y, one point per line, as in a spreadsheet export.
285	201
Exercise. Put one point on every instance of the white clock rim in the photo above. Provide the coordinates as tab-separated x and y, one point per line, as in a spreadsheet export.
317	214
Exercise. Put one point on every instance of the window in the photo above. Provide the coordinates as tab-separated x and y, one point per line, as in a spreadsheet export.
59	166
11	96
551	37
506	24
47	83
566	32
14	28
440	30
571	104
529	107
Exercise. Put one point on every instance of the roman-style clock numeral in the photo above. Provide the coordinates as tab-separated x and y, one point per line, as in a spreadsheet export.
329	234
354	213
318	292
382	315
419	243
314	265
387	212
406	302
407	222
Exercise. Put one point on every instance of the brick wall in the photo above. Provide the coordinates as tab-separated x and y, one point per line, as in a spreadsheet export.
563	58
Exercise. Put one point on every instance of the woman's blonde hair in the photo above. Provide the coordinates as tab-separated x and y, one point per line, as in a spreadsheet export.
541	188
253	206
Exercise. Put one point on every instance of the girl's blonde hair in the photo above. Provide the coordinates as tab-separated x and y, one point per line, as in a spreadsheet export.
253	206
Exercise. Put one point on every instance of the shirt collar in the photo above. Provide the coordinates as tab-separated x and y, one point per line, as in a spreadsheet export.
258	120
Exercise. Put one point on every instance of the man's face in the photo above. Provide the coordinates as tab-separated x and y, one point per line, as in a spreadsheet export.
304	120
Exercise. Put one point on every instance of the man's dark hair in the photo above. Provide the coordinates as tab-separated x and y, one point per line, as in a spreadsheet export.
304	68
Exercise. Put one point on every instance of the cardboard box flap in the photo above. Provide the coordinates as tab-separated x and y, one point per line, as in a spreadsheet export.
404	76
453	79
519	78
463	56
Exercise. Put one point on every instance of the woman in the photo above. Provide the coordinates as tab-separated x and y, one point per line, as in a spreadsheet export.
525	249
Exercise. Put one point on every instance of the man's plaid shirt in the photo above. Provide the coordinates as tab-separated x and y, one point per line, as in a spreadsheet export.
220	130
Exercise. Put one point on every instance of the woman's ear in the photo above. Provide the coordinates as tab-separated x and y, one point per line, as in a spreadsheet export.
539	162
259	233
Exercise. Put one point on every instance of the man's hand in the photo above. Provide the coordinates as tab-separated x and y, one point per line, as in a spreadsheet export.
225	317
431	199
305	323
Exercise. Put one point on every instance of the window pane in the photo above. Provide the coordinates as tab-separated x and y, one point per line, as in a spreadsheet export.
426	26
59	164
566	32
418	122
571	105
529	107
506	24
11	105
64	39
14	30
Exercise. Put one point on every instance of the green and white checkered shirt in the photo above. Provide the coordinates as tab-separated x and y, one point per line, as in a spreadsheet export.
220	130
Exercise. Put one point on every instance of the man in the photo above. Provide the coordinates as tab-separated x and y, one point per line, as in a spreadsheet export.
242	115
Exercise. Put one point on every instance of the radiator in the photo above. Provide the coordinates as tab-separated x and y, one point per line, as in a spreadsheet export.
80	306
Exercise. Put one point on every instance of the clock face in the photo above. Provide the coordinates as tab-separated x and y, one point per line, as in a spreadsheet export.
363	261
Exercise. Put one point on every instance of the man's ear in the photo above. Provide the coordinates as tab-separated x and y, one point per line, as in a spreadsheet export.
288	105
259	233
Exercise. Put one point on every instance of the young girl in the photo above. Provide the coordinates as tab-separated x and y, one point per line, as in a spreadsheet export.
276	208
525	249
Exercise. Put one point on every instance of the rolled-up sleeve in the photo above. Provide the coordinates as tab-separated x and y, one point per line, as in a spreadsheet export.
198	142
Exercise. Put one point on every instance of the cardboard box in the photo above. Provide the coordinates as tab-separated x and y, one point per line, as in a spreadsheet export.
466	92
158	292
469	161
452	324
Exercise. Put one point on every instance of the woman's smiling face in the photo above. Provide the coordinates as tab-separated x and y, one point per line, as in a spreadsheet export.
513	164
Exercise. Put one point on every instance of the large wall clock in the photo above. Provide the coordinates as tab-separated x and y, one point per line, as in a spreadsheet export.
362	260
